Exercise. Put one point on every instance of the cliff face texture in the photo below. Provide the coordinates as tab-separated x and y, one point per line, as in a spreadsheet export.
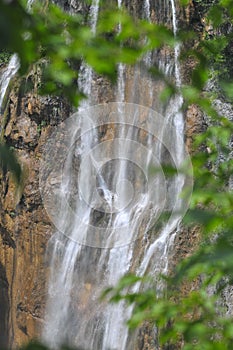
24	225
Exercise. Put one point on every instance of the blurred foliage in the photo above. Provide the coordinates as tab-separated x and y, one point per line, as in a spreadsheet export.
4	56
194	319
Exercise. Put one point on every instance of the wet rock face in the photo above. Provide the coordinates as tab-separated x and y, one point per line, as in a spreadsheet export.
73	6
24	225
194	124
4	298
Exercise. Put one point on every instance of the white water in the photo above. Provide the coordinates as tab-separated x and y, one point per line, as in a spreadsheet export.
121	70
148	56
29	4
11	69
173	116
79	273
147	9
86	72
177	46
7	75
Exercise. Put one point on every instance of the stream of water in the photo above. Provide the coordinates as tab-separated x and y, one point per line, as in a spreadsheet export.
6	77
107	204
10	71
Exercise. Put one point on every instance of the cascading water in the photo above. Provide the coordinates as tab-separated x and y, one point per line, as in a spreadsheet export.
121	70
105	200
86	72
174	116
10	71
147	58
6	77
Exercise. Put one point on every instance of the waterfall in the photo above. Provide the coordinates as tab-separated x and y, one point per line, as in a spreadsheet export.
29	4
147	58
103	201
6	77
121	70
10	71
174	116
86	72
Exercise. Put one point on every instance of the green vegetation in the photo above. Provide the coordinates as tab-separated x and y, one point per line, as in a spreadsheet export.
4	57
195	319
